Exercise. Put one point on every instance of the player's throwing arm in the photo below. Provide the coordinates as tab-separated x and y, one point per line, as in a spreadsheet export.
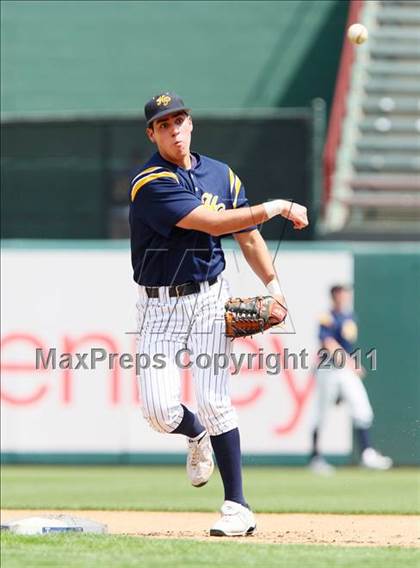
234	220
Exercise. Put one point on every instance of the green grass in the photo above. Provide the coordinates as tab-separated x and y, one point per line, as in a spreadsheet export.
74	551
268	489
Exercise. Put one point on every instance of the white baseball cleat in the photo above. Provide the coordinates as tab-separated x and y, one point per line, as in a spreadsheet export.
320	466
236	520
372	459
200	464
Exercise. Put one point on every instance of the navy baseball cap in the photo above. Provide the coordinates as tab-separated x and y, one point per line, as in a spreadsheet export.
340	288
161	105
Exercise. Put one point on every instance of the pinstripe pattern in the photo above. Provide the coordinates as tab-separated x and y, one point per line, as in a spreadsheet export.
167	325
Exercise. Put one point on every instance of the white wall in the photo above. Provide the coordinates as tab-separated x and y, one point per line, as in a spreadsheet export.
78	299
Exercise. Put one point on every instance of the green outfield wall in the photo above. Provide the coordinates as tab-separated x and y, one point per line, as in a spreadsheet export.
108	57
387	295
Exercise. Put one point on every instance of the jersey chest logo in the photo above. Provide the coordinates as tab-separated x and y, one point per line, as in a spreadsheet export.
210	201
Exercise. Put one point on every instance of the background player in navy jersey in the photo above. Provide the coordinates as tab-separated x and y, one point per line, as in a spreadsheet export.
180	204
338	331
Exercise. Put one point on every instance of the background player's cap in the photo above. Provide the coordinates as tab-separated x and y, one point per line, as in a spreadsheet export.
339	288
162	105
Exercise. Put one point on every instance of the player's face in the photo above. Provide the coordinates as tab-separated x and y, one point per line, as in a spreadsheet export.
172	135
343	300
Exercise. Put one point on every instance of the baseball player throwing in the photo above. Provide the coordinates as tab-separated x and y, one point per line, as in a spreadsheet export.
180	205
338	331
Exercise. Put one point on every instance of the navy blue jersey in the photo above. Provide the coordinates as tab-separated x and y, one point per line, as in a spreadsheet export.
161	194
340	326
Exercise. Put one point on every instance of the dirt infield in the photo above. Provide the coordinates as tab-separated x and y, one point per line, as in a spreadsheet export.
342	530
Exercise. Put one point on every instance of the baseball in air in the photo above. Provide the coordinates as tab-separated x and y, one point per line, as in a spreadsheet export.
357	33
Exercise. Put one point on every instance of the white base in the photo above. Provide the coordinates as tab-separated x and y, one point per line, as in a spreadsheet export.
51	524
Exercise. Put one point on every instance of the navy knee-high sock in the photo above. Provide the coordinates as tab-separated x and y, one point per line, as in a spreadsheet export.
363	437
227	449
315	436
190	425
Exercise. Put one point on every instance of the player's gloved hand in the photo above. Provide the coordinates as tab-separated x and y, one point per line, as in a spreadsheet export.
296	213
248	316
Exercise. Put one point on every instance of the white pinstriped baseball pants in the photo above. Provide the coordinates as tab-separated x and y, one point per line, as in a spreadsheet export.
168	325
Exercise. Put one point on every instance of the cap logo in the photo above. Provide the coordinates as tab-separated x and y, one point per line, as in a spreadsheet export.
163	100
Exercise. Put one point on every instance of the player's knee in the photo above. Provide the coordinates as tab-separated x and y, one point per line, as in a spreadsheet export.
364	419
163	419
155	423
218	419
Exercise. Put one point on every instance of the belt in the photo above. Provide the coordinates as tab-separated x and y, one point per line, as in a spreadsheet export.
178	290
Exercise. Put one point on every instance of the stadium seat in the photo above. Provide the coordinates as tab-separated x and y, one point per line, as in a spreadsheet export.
394	143
393	85
395	200
386	182
394	104
397	14
394	68
395	51
386	162
401	34
385	124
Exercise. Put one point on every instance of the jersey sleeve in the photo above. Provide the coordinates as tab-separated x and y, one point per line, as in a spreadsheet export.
159	200
326	327
238	196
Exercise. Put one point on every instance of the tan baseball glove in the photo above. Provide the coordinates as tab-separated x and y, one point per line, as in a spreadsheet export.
248	316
